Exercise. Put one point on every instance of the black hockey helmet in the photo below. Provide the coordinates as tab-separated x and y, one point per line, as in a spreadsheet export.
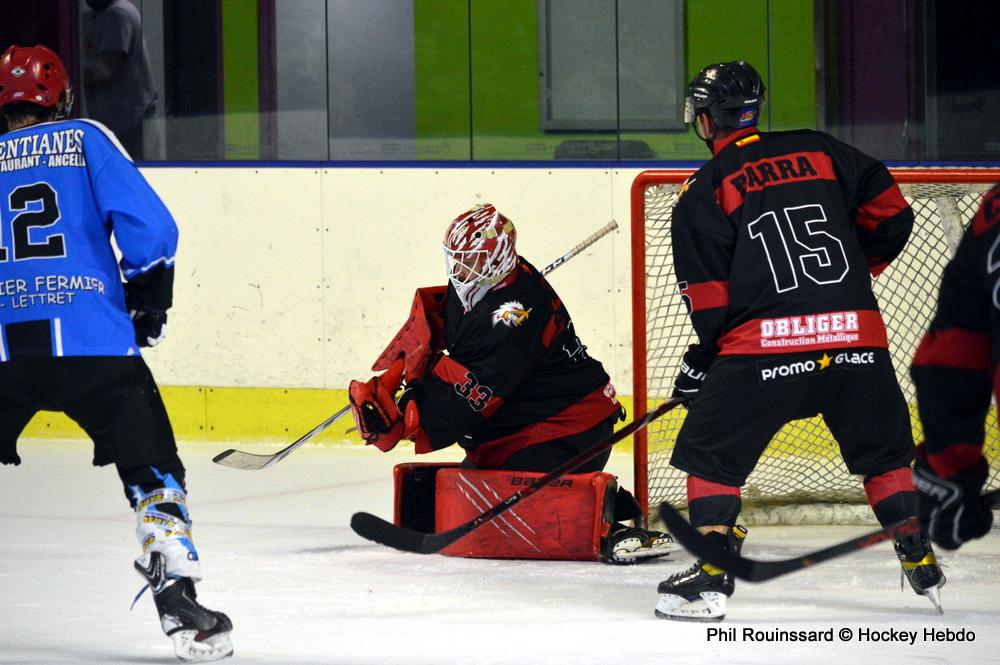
732	92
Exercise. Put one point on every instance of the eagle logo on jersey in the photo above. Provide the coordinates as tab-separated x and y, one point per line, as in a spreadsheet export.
511	313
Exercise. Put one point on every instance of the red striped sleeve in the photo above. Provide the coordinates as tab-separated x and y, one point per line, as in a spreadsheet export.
954	348
480	398
706	295
956	458
882	207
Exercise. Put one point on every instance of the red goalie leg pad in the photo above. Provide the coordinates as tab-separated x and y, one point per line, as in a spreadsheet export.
564	521
413	505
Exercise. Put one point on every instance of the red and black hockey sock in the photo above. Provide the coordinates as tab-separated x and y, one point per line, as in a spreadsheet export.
892	495
711	503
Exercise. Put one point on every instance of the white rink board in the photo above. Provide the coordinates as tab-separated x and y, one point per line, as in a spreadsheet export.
247	298
298	277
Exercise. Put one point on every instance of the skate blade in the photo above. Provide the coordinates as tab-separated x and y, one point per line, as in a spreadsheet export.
192	650
710	607
934	595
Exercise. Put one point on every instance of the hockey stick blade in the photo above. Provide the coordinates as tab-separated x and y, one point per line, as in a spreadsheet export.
386	533
237	459
753	570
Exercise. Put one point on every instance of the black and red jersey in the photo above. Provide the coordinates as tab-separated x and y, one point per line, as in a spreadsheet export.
775	239
516	374
955	366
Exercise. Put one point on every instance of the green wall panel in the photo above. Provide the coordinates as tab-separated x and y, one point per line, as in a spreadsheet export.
792	83
240	79
441	61
776	36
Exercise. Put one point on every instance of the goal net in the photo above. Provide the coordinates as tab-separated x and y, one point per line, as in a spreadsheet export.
801	477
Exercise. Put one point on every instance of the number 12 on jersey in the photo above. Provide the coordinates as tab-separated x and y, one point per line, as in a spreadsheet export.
44	213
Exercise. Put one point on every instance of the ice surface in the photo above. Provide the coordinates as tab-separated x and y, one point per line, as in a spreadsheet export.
279	558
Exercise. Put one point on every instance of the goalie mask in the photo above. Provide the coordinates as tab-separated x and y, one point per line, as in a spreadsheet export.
479	252
35	74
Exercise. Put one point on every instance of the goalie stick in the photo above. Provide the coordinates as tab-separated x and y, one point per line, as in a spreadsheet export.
587	242
386	533
753	570
237	459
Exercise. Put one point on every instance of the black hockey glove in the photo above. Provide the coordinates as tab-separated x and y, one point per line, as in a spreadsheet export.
150	324
694	367
950	509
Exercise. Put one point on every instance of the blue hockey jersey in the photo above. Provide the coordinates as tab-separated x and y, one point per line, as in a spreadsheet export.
65	188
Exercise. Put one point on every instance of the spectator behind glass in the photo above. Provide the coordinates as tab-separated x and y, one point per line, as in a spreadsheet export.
118	83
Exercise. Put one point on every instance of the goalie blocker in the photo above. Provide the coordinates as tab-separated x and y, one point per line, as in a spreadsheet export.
572	522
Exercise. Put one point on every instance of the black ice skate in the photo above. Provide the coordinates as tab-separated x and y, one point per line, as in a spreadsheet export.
700	592
627	545
921	568
199	634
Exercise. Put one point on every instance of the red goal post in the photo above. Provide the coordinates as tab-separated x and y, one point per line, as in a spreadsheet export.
802	466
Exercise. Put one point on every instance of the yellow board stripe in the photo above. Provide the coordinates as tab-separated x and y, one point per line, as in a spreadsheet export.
200	413
244	415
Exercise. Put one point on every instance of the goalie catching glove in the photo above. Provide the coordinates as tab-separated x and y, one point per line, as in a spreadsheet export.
950	509
377	413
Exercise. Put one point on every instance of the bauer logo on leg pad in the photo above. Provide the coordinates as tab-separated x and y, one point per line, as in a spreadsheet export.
521	480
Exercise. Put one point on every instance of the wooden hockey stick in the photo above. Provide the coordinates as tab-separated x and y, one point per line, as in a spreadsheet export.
759	571
238	459
386	533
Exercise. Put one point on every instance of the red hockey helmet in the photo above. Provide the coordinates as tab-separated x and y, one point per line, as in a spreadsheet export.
479	250
35	74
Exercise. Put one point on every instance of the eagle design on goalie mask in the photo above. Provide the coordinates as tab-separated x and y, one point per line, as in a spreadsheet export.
511	313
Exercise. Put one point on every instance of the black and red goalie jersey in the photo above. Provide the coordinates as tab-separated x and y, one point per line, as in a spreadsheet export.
516	374
955	366
774	240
